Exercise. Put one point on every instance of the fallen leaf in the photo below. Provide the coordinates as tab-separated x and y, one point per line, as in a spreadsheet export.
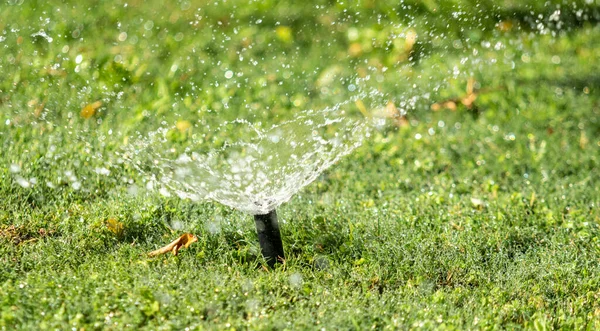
505	26
470	86
532	199
361	106
450	105
114	226
583	140
10	232
87	111
355	50
456	226
467	100
411	39
392	113
19	235
183	125
184	240
284	33
90	109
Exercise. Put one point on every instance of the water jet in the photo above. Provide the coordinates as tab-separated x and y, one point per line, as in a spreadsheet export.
262	168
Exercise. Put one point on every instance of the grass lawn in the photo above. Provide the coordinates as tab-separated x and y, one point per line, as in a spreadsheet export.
478	209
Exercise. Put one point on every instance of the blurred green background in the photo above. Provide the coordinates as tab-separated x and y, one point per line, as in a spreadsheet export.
472	204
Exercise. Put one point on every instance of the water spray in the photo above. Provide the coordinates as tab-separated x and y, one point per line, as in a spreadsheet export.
269	237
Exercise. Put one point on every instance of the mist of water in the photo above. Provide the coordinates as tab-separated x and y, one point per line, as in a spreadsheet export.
247	106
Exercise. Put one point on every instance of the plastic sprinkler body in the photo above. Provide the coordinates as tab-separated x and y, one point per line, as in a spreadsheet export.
269	237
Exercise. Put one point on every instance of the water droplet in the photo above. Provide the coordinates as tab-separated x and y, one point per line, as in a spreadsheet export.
177	225
14	168
102	171
133	190
164	192
214	226
122	36
296	280
321	263
44	35
148	25
22	182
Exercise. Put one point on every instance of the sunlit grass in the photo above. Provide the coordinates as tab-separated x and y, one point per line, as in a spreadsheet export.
482	214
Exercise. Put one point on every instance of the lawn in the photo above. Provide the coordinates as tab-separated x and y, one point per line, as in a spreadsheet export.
473	205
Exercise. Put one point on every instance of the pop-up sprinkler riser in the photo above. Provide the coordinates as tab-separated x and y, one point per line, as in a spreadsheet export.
269	237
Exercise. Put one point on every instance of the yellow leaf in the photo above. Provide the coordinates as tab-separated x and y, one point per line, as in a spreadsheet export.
87	111
114	226
183	125
355	49
361	106
184	240
411	39
90	109
505	26
583	140
284	33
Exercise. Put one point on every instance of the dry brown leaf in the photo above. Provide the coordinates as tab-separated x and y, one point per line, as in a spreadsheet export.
392	113
184	240
19	235
467	100
470	86
9	232
450	105
436	107
402	122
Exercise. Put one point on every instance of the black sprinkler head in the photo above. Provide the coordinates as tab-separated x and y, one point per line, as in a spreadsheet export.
269	237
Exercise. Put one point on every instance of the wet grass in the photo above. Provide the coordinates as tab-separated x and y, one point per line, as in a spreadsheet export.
484	216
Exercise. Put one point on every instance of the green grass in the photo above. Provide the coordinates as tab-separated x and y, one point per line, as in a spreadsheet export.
484	217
